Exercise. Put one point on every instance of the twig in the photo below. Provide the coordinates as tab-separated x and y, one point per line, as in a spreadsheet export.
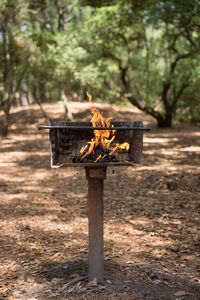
72	281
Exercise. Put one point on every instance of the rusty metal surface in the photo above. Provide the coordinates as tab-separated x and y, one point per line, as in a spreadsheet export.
66	144
67	138
103	164
95	216
88	126
95	173
136	144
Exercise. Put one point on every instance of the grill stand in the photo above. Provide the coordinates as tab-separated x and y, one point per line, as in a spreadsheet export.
95	177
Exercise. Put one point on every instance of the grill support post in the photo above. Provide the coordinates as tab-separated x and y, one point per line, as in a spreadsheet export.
95	177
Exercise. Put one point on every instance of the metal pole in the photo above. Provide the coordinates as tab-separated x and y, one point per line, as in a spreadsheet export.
95	178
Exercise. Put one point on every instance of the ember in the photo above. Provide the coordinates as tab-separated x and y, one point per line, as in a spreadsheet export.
101	147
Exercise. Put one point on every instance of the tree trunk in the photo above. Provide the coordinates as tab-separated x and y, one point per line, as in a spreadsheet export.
6	122
80	11
10	84
39	103
168	118
65	103
62	15
42	91
7	81
6	116
65	16
166	121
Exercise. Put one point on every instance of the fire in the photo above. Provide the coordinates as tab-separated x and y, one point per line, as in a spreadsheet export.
101	142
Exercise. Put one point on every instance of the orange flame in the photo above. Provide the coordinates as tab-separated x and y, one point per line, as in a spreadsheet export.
101	137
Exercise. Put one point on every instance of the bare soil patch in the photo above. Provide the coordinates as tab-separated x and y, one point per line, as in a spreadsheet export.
152	224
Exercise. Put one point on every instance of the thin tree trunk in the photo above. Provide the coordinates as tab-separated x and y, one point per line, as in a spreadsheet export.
80	11
42	91
39	103
65	16
62	15
6	116
65	103
7	82
6	123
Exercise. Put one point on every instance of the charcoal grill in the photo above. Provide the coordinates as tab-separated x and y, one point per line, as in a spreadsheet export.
66	140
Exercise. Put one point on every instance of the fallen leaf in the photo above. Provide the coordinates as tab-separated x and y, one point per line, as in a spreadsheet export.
102	287
156	281
70	290
93	282
180	293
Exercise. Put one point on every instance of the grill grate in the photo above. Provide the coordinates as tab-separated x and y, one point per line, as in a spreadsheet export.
67	138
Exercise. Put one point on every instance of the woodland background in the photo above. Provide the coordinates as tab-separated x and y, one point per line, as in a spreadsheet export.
123	51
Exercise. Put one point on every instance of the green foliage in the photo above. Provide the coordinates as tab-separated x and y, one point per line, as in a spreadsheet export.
153	48
143	51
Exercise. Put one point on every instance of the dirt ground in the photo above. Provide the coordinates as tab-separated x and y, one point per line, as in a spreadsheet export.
151	215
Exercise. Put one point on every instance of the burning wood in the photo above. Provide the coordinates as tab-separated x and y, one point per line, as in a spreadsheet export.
101	147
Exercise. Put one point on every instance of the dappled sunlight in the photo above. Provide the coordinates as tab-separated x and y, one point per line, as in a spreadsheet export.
163	141
195	133
191	149
151	210
69	227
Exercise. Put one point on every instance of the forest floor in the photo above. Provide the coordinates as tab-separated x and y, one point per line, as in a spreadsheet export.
151	215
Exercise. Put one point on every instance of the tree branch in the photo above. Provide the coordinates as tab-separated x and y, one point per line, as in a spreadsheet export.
149	110
176	36
165	89
178	95
39	103
167	84
179	57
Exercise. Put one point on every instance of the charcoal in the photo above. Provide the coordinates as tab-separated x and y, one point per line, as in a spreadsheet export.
106	151
98	151
88	160
74	159
77	159
89	157
101	160
92	157
113	159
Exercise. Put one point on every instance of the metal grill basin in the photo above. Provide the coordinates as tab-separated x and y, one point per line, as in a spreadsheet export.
67	138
